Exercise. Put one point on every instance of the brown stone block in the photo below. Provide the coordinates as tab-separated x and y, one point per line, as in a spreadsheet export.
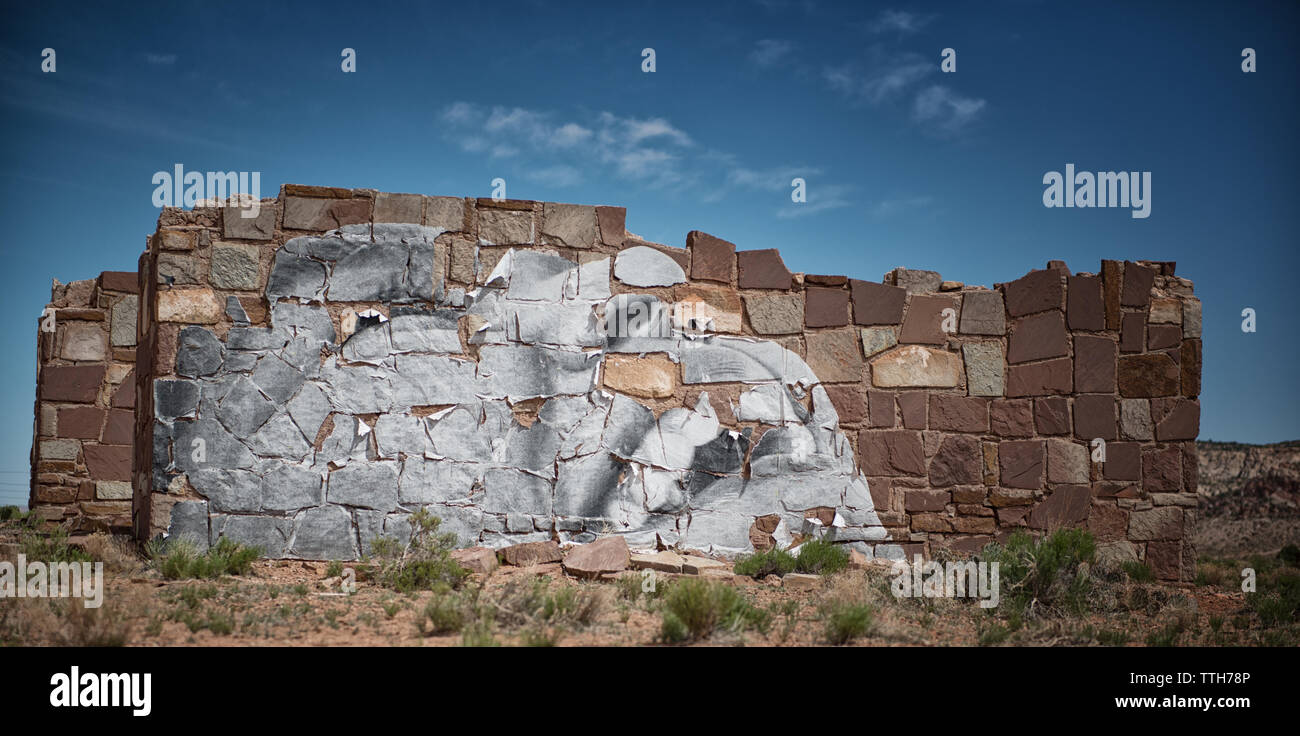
762	269
958	461
1164	559
1148	376
1132	334
79	313
55	494
316	213
891	452
1067	506
309	190
1094	416
124	394
1021	464
1189	367
1003	497
108	462
1108	522
81	422
78	384
876	304
612	222
925	500
818	279
1175	419
925	320
1041	379
931	522
1138	280
848	403
1011	417
1037	337
1084	308
881	494
912	405
1112	274
1163	337
124	281
974	525
120	429
1190	463
1162	469
881	404
712	259
958	413
1052	415
1036	291
1094	364
824	307
1123	461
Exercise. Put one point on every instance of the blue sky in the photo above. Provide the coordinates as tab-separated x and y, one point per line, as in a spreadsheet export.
905	164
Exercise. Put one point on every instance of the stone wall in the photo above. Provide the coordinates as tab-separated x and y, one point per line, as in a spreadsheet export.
528	370
85	402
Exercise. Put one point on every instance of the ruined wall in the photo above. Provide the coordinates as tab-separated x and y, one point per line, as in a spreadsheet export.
85	399
532	370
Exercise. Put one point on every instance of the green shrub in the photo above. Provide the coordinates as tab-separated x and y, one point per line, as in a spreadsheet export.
445	613
423	562
1165	637
993	634
1290	555
819	557
10	513
1137	571
180	560
1116	638
672	630
772	562
846	621
52	547
702	607
479	633
1045	573
334	569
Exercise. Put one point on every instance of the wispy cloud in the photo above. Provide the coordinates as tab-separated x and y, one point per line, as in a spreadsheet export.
651	151
900	21
901	78
160	59
945	110
819	199
559	175
885	81
769	52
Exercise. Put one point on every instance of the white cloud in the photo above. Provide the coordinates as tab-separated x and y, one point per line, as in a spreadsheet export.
556	176
160	59
944	110
900	21
820	198
891	80
651	151
770	52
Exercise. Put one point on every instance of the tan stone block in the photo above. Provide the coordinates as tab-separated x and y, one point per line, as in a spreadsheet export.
192	306
653	376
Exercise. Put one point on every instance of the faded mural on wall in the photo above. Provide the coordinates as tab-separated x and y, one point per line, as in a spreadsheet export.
487	407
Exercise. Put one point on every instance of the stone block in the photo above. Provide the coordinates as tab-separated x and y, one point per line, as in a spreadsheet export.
983	313
712	258
762	269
